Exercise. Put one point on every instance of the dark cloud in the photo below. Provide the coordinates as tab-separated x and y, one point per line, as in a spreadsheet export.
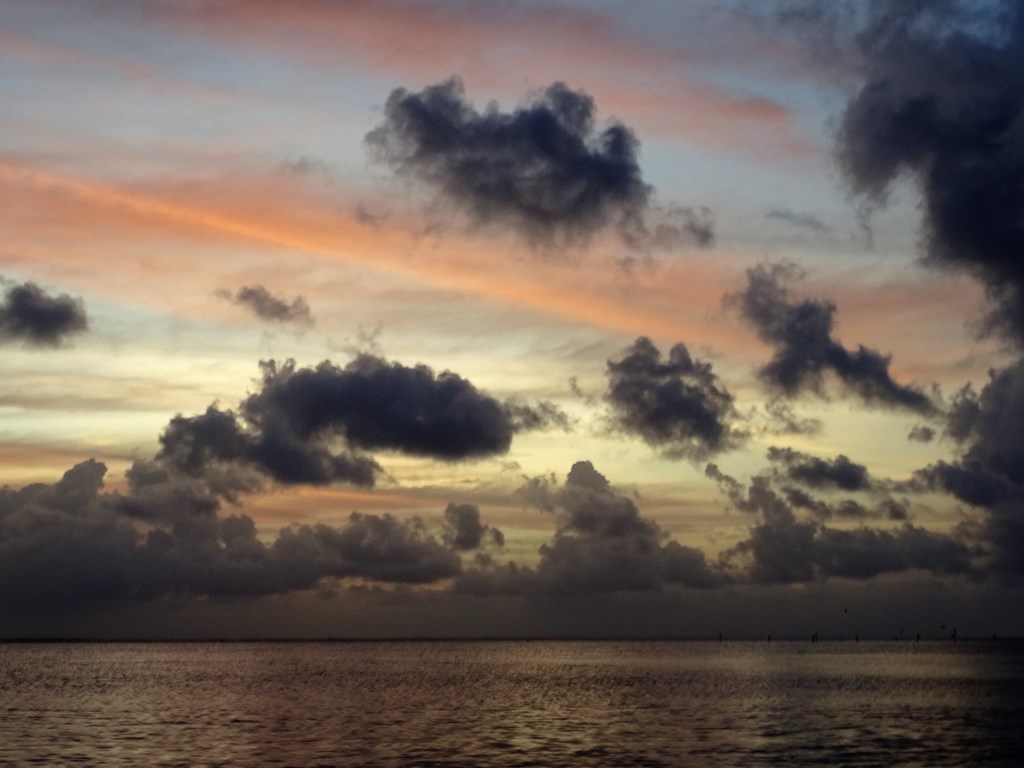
269	307
941	99
71	542
676	405
798	219
601	545
376	405
543	169
465	530
813	472
805	351
312	425
32	317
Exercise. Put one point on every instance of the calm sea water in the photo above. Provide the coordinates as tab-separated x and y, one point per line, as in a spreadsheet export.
513	704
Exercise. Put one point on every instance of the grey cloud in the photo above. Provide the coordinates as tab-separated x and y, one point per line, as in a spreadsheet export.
805	351
34	318
543	169
676	405
269	307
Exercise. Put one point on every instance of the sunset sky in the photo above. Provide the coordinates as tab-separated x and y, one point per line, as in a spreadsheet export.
372	318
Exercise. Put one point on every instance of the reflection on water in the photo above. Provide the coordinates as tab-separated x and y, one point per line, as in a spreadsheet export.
512	704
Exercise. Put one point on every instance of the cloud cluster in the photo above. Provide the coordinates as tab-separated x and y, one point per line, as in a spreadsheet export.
312	425
70	542
675	405
785	547
267	306
939	99
601	544
989	472
942	100
544	169
36	319
805	351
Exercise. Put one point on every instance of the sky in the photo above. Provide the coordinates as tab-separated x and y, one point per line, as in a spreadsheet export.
518	319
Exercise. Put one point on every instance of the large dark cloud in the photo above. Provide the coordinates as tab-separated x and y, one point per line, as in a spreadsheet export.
676	405
70	542
543	169
313	425
941	100
805	351
377	405
601	545
269	307
34	318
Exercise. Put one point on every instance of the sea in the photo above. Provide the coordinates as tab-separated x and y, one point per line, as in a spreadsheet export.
513	703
